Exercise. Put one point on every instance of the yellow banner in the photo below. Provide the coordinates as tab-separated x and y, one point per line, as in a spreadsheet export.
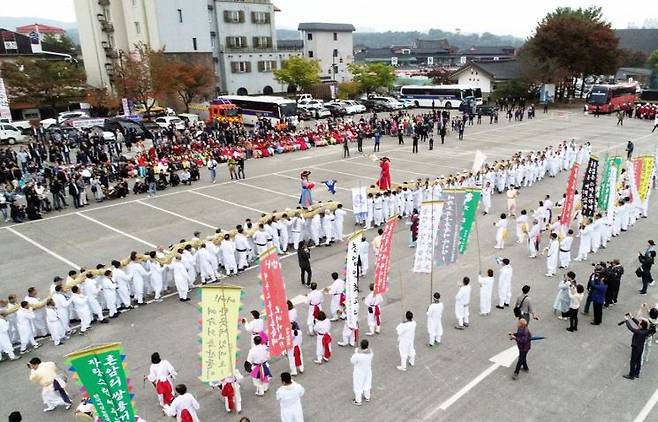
220	307
648	163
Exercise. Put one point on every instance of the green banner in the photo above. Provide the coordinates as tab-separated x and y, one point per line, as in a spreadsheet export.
100	371
604	188
471	200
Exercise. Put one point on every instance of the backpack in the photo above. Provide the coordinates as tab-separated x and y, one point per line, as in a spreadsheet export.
517	309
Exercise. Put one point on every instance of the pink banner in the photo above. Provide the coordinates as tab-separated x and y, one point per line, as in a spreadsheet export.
567	207
638	164
383	260
276	307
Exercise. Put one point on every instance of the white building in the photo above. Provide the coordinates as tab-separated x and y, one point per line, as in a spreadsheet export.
486	75
332	45
179	27
245	48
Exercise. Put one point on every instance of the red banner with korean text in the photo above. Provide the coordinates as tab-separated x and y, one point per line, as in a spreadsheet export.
567	207
638	164
275	301
383	259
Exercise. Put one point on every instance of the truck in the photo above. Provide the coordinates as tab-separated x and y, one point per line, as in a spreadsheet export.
218	109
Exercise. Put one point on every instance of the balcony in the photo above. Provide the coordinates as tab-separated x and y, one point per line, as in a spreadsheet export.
104	3
111	54
107	27
106	46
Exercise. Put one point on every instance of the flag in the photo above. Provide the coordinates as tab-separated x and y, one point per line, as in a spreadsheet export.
478	161
331	185
279	332
604	187
471	200
351	280
383	259
447	243
220	306
646	175
567	207
588	192
101	372
430	215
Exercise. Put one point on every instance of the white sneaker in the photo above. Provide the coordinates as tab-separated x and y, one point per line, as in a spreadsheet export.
402	368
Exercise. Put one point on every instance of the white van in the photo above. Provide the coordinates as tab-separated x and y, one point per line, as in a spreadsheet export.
189	117
10	134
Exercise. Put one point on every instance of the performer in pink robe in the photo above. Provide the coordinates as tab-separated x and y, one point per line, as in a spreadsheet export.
306	197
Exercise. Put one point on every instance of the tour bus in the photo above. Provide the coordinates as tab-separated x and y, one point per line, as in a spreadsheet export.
609	98
448	96
276	109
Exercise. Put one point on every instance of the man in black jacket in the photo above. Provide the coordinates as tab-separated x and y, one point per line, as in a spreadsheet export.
640	333
304	258
613	279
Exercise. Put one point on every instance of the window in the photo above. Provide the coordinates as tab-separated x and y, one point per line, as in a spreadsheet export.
240	67
138	29
309	36
209	16
335	36
180	15
260	17
262	42
194	43
236	42
310	53
266	65
335	52
212	42
233	16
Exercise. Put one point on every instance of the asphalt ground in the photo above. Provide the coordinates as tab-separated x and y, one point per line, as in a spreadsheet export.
572	375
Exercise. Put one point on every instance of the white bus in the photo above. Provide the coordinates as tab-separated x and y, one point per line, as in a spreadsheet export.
276	109
447	96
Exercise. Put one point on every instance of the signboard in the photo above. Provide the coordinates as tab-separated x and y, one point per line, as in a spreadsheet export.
126	108
87	123
394	61
11	45
430	61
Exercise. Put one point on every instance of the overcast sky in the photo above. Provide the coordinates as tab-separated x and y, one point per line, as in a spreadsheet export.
515	17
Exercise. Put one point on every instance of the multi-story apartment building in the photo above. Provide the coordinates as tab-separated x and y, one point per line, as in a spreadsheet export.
332	45
107	27
236	38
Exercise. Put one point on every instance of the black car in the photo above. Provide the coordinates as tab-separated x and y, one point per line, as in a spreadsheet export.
372	105
304	114
336	109
125	124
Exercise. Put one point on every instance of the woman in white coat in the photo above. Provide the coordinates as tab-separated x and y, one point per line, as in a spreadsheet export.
362	373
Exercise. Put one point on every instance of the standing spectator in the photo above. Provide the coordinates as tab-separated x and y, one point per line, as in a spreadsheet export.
640	333
414	145
346	148
304	258
524	305
629	150
212	168
523	339
597	293
646	262
575	298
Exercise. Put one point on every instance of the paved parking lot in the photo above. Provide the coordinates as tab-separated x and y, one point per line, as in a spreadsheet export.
572	376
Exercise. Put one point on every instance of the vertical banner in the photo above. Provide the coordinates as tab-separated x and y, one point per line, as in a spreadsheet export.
447	243
5	112
471	200
351	280
383	260
220	306
612	196
279	331
648	163
588	193
428	224
632	182
638	163
604	186
101	372
567	207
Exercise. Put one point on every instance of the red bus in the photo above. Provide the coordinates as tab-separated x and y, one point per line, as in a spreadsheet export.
609	98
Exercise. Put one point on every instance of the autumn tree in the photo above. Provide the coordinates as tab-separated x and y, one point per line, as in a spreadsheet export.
101	100
143	75
43	82
191	81
571	42
300	72
372	76
440	75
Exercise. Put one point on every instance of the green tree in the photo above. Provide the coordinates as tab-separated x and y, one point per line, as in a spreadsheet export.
43	82
348	90
300	72
62	44
371	76
571	42
652	61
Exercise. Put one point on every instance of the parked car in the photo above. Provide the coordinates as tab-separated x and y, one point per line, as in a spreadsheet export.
372	105
166	121
304	114
23	125
189	117
406	103
355	106
336	109
108	136
388	103
66	115
125	124
46	123
310	104
321	112
10	134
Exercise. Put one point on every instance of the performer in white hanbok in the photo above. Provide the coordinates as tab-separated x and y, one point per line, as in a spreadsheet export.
161	375
337	292
55	326
505	284
181	277
289	396
486	290
406	332
565	249
184	406
434	316
462	304
585	244
362	373
501	231
552	255
522	226
373	302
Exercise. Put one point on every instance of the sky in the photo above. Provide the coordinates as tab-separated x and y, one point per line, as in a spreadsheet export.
502	17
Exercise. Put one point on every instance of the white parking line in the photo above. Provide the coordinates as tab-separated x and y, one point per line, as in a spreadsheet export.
114	229
226	202
642	416
43	248
268	190
175	214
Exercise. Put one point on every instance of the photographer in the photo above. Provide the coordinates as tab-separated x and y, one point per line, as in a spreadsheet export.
615	272
640	332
